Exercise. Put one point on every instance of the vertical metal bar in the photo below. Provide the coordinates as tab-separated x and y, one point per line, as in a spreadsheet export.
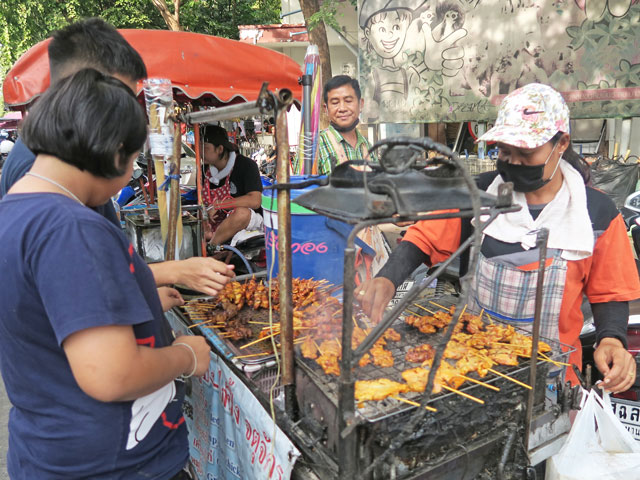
284	261
174	201
347	461
201	210
307	80
541	244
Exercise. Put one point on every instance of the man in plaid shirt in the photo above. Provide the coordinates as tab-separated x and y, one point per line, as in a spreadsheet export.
342	141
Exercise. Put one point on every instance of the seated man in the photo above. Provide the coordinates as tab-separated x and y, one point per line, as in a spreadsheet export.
232	188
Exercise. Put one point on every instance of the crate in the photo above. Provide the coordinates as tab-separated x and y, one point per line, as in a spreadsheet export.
476	166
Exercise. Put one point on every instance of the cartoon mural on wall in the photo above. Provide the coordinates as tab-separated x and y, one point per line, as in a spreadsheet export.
454	60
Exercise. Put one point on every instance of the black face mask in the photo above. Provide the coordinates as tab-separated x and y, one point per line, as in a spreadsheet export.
346	129
525	178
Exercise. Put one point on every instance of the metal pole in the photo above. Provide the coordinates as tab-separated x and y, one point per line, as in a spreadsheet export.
284	254
224	113
174	200
347	450
202	215
307	81
541	243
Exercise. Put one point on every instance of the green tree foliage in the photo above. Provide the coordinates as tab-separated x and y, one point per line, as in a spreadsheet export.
23	23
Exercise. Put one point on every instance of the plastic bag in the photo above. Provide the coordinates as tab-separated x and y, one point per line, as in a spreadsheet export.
598	446
616	179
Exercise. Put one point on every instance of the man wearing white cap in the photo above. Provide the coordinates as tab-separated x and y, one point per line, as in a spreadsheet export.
588	249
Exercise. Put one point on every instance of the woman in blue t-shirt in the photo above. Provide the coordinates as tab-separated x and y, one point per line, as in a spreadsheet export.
91	370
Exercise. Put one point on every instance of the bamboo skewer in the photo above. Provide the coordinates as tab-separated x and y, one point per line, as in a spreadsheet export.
411	402
259	340
466	395
557	363
423	308
254	355
509	378
318	347
439	306
473	380
201	323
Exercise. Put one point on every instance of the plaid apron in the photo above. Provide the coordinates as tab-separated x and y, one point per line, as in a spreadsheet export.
212	196
508	293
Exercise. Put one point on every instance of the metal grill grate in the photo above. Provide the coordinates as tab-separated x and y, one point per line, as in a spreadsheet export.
375	411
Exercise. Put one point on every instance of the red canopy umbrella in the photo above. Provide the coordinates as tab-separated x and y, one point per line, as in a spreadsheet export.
212	70
10	121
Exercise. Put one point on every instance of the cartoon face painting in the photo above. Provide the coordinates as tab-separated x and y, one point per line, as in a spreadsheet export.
386	32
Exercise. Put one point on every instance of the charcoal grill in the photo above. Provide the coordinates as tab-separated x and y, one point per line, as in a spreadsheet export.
387	439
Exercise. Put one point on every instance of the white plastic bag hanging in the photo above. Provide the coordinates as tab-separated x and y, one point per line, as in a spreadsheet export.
598	446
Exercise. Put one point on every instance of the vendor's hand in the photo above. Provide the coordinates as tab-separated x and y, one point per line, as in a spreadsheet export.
616	365
200	348
374	296
169	298
203	274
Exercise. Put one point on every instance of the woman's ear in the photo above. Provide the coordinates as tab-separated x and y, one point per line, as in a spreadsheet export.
564	143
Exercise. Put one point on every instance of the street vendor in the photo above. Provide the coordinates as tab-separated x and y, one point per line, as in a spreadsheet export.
342	141
96	44
588	249
232	189
95	379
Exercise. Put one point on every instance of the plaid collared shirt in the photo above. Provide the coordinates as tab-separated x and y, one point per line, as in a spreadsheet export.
326	151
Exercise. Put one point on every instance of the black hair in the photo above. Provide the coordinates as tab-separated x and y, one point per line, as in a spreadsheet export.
93	43
574	159
217	135
88	120
337	82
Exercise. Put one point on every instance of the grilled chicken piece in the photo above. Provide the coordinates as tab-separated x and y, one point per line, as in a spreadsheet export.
379	389
309	349
420	354
392	335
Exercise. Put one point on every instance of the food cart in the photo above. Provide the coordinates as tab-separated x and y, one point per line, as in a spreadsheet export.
497	425
258	414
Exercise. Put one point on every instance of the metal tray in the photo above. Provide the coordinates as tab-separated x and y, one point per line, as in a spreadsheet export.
230	348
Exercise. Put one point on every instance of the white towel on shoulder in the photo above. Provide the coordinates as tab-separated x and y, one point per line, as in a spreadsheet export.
216	175
566	217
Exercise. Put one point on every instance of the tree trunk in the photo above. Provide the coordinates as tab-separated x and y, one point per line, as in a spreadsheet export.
318	36
171	19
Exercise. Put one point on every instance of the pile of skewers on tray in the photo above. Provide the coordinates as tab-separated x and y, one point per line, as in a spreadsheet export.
246	314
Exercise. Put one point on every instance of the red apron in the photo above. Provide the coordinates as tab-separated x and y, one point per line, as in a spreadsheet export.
214	196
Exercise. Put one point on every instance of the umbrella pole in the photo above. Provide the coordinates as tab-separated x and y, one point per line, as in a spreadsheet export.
174	202
306	110
201	211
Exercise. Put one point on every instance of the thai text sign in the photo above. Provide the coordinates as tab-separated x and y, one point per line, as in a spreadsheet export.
231	436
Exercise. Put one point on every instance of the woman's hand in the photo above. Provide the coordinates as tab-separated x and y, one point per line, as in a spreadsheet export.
616	364
204	274
169	298
374	296
201	350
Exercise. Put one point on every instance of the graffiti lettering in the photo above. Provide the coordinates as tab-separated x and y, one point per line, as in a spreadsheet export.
481	106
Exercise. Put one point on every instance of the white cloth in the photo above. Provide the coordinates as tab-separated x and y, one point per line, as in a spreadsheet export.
253	229
217	175
566	217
